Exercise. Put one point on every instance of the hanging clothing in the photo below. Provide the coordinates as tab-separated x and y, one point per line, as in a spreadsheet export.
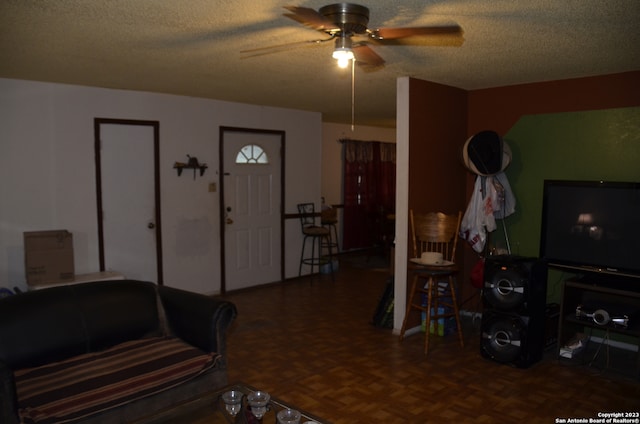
491	198
506	200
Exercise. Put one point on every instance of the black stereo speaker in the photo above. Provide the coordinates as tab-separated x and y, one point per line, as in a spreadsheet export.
514	295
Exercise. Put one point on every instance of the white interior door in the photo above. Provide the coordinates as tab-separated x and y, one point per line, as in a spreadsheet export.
251	208
128	187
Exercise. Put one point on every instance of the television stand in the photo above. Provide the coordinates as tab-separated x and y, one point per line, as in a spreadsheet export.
599	325
613	281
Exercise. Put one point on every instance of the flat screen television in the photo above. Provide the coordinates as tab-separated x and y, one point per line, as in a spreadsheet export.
592	226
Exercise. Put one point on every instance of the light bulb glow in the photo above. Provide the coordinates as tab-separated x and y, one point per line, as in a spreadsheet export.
343	55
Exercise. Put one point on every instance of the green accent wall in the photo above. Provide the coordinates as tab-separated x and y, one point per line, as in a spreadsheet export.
591	145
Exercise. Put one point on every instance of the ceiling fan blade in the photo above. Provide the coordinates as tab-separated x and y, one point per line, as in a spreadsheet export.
365	56
394	33
310	18
260	51
451	36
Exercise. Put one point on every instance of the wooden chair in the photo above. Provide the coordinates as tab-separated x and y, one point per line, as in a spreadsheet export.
433	286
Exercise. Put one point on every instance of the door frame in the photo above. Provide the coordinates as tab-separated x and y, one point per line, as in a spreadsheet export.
223	131
97	122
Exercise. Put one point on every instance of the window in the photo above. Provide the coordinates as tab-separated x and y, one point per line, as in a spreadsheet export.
252	153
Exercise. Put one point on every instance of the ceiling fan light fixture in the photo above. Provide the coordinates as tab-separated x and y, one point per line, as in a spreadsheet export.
343	53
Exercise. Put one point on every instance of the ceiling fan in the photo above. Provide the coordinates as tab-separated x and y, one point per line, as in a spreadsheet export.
343	22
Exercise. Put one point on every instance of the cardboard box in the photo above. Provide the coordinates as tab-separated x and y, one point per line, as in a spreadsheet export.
48	257
446	325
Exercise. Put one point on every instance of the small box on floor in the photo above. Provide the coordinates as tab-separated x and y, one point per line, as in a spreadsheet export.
446	325
574	346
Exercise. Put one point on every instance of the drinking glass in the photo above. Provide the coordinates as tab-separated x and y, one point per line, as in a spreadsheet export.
288	416
232	401
258	401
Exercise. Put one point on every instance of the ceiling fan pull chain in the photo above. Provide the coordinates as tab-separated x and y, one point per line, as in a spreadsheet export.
353	94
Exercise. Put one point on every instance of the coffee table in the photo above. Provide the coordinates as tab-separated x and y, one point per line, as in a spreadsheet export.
210	409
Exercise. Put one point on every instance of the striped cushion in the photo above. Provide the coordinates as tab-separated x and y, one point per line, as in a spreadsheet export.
90	383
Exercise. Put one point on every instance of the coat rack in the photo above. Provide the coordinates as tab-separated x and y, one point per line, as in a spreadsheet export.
191	164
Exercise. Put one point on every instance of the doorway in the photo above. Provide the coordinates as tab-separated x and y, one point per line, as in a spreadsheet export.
128	197
251	207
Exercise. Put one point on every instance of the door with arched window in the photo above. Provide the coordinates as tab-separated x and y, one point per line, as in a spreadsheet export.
251	207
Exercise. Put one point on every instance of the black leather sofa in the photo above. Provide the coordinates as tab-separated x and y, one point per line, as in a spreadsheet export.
40	330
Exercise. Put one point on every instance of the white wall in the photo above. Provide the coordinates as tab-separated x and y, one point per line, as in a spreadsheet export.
47	171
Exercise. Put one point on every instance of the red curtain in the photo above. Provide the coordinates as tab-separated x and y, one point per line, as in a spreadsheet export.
369	193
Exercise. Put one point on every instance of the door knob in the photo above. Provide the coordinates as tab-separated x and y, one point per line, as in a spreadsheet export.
229	221
151	225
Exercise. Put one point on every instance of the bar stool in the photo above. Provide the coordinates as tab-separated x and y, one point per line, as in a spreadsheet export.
433	285
318	236
329	220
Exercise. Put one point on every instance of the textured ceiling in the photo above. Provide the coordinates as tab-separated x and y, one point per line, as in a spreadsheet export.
193	48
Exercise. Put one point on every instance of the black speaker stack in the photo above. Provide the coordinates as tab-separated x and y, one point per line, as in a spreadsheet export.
514	296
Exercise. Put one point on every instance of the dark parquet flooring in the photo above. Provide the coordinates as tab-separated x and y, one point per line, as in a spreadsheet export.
313	345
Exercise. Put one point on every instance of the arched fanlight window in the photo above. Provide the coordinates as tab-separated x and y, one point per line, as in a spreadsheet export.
252	153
